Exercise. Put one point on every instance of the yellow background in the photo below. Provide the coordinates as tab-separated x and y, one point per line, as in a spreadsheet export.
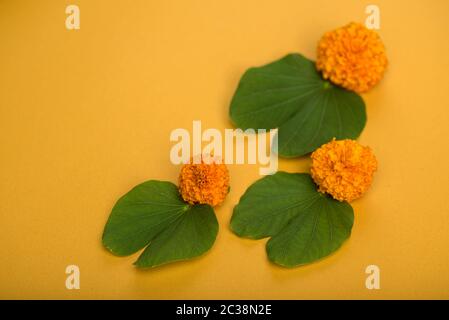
86	115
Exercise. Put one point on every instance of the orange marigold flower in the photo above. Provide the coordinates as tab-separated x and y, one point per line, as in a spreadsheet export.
352	57
343	168
205	182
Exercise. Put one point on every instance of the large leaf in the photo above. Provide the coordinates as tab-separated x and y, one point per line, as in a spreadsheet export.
289	94
304	225
154	214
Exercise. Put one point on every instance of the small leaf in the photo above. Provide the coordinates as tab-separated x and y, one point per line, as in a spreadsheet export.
304	225
154	214
289	94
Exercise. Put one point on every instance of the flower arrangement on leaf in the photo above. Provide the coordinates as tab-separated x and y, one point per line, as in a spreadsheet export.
171	222
317	109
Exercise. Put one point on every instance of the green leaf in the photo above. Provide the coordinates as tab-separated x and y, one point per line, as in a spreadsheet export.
289	94
304	225
154	215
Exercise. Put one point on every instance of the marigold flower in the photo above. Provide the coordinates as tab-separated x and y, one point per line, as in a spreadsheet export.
205	182
352	57
343	168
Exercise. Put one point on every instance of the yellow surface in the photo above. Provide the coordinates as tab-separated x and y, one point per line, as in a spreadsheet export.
86	115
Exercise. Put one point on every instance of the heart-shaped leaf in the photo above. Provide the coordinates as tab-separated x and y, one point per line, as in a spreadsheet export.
289	94
304	225
154	214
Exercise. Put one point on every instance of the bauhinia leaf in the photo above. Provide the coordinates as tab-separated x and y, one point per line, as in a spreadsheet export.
154	215
289	94
304	225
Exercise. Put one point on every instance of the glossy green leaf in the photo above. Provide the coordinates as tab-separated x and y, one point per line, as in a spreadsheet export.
289	94
154	215
304	225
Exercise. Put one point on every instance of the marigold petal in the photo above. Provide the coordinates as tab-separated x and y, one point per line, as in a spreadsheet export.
343	168
206	182
352	57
